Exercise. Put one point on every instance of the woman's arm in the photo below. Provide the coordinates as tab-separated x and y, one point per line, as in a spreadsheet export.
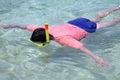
27	27
13	26
73	43
98	60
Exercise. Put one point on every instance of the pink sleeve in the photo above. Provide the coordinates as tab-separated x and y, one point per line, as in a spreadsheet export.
33	27
71	42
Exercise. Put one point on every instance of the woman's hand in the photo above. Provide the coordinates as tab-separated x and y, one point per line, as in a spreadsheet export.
100	61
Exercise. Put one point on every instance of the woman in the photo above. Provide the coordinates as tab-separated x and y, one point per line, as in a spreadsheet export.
72	32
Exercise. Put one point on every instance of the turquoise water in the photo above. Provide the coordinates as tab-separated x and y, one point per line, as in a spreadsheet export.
21	60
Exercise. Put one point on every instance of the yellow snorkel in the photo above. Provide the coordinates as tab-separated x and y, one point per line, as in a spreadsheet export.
47	33
47	37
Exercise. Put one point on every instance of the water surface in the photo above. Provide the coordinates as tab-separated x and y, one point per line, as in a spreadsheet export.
21	60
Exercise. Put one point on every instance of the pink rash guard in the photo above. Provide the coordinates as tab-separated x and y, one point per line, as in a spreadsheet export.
66	34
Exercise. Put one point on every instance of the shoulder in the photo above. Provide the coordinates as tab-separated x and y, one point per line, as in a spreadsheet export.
33	27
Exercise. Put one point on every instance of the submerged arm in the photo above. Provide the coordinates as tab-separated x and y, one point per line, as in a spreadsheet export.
13	26
78	45
95	57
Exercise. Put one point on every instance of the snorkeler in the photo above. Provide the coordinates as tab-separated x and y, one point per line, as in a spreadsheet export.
71	32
